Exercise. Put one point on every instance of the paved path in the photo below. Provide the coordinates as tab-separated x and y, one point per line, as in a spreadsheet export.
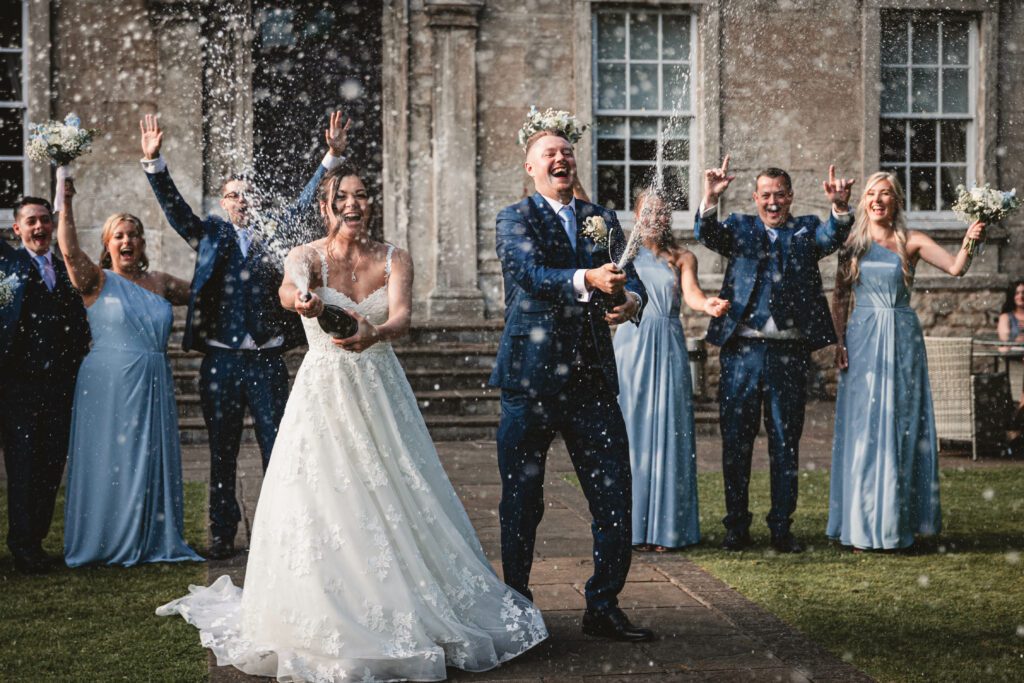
706	631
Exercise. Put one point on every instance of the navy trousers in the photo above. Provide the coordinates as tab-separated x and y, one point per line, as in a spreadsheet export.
230	381
35	425
587	416
771	375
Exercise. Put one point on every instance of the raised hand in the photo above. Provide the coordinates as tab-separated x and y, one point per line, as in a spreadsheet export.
975	231
716	181
152	137
336	134
308	305
838	191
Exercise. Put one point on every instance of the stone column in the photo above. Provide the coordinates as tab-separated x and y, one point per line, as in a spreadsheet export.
453	24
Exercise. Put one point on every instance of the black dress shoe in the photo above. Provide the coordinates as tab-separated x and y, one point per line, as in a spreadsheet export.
220	549
31	563
614	624
786	543
735	541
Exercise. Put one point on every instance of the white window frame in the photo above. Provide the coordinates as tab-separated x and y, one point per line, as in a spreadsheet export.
20	104
625	214
937	216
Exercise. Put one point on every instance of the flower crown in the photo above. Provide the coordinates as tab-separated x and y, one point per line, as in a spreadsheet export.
550	119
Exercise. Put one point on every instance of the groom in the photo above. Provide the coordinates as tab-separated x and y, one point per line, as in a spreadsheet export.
778	315
557	374
235	318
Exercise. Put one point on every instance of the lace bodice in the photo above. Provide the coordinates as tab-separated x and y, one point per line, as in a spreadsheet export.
374	308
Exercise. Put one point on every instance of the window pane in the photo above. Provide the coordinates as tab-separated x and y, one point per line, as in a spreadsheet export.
676	80
676	187
894	91
611	86
11	180
611	186
10	76
954	42
922	189
609	149
893	138
925	42
12	132
676	150
10	27
611	36
894	42
954	90
643	87
954	141
951	177
901	174
640	178
922	141
641	149
643	36
611	126
675	36
643	128
925	93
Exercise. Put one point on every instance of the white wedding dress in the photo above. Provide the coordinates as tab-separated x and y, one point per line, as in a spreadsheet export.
363	563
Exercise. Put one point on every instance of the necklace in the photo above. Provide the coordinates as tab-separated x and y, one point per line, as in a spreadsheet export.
354	265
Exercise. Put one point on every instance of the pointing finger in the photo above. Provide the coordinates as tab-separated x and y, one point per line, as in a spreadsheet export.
725	165
832	175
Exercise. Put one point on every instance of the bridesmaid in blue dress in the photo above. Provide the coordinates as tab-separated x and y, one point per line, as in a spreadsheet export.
655	390
124	493
885	476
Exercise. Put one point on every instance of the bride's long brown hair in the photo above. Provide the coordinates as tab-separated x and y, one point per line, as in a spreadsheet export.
327	190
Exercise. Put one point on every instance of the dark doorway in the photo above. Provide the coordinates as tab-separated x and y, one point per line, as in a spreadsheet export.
309	58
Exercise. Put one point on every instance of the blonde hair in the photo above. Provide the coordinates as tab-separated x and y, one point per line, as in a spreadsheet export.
859	241
106	261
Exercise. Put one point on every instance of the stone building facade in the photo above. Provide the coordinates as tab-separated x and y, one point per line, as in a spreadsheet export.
930	88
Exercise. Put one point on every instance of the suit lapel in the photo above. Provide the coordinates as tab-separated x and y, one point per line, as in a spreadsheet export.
584	245
553	224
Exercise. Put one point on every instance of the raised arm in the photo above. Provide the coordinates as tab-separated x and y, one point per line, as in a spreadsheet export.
86	276
841	308
924	247
711	232
836	229
693	295
179	214
517	250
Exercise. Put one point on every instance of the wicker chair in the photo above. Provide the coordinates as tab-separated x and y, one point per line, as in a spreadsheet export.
949	372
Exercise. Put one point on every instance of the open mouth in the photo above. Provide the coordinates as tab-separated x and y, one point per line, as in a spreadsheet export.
352	218
560	172
126	253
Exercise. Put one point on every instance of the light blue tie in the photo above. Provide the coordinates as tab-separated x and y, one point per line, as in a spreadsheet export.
569	222
244	240
46	270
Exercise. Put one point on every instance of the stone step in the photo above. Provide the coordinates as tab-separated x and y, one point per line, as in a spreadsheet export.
459	402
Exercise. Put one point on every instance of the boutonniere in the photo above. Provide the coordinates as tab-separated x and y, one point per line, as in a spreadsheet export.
596	230
7	288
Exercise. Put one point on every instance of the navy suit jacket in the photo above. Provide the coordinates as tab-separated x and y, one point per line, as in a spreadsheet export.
213	239
18	263
744	241
544	322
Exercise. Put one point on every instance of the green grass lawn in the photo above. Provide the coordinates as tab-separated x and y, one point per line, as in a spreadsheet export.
951	610
98	624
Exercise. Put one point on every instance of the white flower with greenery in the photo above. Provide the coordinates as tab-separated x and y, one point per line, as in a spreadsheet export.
984	204
551	119
59	142
595	229
7	288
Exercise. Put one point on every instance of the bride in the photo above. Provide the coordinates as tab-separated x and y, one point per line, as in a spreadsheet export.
363	563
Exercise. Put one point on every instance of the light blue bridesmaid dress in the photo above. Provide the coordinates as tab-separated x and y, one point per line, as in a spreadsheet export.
656	397
124	494
885	477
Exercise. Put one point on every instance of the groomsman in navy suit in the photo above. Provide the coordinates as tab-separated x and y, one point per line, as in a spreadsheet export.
235	318
44	335
556	371
778	316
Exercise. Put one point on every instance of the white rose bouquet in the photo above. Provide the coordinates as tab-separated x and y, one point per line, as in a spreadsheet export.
60	143
551	119
7	285
984	204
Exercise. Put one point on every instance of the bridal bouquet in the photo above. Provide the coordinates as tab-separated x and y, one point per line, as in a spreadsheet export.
983	204
550	119
7	284
60	143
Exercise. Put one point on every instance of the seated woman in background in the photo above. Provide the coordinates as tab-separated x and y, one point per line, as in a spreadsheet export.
124	493
655	388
